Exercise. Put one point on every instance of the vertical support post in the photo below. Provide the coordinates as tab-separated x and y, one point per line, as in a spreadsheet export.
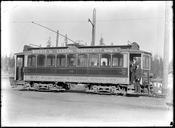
66	40
76	60
142	55
88	60
36	60
45	61
93	27
57	38
66	61
99	60
129	68
166	49
15	66
111	60
25	60
92	43
55	60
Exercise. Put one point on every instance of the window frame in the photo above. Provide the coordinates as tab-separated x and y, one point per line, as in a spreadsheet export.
146	61
68	61
31	64
54	59
87	60
64	65
110	61
119	60
43	61
98	60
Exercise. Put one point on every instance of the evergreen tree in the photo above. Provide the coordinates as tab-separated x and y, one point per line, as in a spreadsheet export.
8	64
157	66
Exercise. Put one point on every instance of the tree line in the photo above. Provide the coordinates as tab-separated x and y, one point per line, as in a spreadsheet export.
157	66
8	64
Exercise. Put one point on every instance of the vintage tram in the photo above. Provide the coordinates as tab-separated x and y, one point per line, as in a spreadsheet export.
99	68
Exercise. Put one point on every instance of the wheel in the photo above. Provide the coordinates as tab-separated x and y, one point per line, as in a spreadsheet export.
124	92
68	87
35	85
87	88
95	89
50	86
113	90
27	86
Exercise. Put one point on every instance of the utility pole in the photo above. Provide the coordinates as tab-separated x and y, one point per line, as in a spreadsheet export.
57	38
166	45
65	40
93	23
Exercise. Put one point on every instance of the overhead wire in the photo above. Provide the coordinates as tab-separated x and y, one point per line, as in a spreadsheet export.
82	21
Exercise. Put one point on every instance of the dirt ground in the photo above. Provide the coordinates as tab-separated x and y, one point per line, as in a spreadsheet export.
31	108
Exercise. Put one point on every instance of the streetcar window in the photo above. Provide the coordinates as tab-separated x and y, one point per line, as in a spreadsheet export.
145	61
138	61
71	60
93	60
82	60
50	60
19	62
31	60
61	60
117	60
105	60
41	60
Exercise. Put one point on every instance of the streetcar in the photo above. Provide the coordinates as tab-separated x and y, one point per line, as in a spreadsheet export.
98	68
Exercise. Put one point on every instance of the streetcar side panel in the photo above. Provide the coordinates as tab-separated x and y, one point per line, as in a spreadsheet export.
80	75
116	72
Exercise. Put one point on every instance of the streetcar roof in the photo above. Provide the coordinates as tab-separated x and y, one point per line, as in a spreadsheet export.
116	46
123	48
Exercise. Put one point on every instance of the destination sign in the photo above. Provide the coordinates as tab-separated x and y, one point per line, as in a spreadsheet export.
76	50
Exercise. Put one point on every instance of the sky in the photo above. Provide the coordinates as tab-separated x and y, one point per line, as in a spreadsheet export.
117	22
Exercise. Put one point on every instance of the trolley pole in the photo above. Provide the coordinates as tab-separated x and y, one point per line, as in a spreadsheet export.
166	48
53	31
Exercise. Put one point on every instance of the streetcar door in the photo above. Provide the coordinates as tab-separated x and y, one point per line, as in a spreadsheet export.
19	67
133	56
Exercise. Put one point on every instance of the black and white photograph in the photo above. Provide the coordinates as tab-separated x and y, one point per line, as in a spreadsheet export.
87	63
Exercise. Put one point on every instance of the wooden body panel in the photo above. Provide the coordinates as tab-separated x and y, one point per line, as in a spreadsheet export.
77	74
145	76
78	79
77	71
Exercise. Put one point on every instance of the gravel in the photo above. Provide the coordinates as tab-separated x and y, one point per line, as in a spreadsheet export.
31	108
